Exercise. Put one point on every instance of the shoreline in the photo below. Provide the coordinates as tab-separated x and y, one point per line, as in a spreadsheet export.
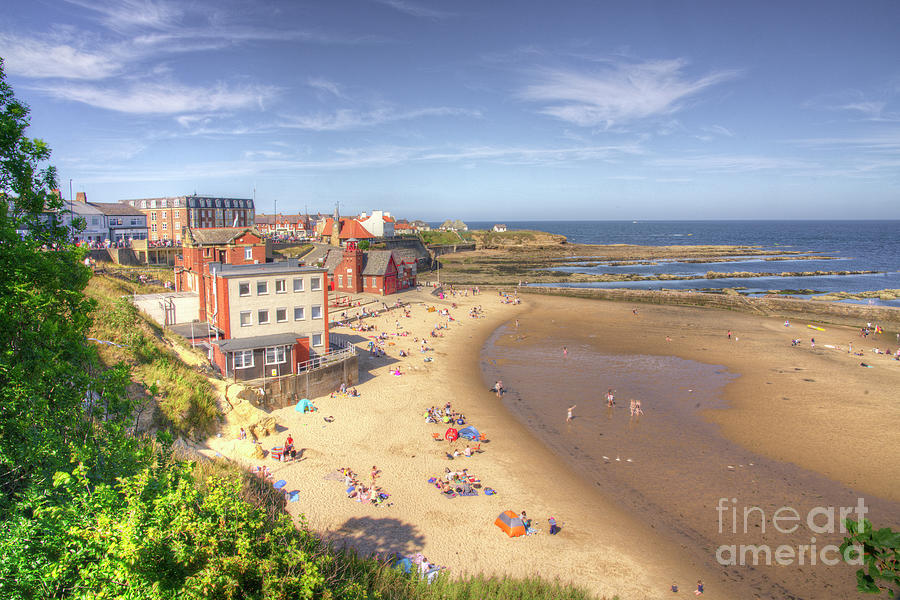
601	547
681	454
606	546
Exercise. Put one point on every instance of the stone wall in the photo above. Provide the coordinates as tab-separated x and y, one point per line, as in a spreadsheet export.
286	391
792	308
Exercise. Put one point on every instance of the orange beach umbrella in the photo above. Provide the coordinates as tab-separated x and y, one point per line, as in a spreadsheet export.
510	523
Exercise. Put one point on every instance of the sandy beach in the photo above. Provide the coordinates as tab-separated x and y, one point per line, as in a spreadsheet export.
612	542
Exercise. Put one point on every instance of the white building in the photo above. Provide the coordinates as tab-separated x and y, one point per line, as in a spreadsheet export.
379	223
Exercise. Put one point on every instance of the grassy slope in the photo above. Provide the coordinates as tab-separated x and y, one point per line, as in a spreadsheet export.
184	397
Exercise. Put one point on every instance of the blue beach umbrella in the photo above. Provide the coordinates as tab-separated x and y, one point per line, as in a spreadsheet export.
280	484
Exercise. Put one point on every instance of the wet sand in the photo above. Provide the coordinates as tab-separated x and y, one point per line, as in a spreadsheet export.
748	422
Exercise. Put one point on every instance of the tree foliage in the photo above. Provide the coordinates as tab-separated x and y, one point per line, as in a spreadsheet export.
45	362
880	556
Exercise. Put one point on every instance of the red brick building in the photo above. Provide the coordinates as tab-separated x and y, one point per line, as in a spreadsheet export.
287	225
375	272
168	217
229	245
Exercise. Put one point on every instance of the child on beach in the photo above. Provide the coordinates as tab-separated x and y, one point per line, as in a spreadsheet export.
637	408
633	404
569	417
610	399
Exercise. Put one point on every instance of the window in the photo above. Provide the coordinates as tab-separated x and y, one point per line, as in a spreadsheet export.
164	203
165	226
316	312
153	216
276	355
163	216
281	315
246	319
248	253
299	313
243	359
317	339
315	284
341	280
152	227
298	285
262	317
262	288
280	286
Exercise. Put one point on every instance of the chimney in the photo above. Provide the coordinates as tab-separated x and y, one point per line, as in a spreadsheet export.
81	197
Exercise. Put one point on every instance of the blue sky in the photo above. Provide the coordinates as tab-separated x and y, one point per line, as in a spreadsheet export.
479	110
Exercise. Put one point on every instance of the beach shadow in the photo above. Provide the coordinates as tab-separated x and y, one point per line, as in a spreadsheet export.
379	536
369	363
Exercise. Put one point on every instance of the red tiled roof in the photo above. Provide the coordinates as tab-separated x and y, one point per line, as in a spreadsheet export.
350	228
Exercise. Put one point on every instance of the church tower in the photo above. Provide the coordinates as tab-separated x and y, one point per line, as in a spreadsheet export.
336	228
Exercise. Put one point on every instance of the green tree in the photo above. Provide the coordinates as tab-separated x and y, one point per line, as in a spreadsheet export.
46	365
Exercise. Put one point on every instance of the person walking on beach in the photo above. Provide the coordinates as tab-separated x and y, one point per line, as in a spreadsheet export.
610	399
637	408
633	404
565	351
498	388
569	416
812	342
729	334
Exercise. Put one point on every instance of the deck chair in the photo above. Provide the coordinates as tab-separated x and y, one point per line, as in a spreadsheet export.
482	438
436	437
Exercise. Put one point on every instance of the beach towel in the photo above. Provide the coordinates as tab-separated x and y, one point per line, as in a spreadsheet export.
469	493
489	491
279	484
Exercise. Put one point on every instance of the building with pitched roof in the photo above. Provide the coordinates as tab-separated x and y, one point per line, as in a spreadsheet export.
227	245
347	229
124	222
352	270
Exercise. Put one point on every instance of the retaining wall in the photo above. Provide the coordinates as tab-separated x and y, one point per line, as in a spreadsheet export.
286	391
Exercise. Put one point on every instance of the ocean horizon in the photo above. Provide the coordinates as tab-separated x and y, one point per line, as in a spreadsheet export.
852	245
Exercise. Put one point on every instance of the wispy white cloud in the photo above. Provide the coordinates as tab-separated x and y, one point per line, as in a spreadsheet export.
46	58
126	15
724	163
325	85
857	103
260	162
618	91
160	98
345	119
415	9
887	141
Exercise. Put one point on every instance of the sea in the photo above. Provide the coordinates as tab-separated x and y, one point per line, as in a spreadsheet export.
856	245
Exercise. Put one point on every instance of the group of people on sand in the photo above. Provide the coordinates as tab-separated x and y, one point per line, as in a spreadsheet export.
445	414
454	483
359	491
346	390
